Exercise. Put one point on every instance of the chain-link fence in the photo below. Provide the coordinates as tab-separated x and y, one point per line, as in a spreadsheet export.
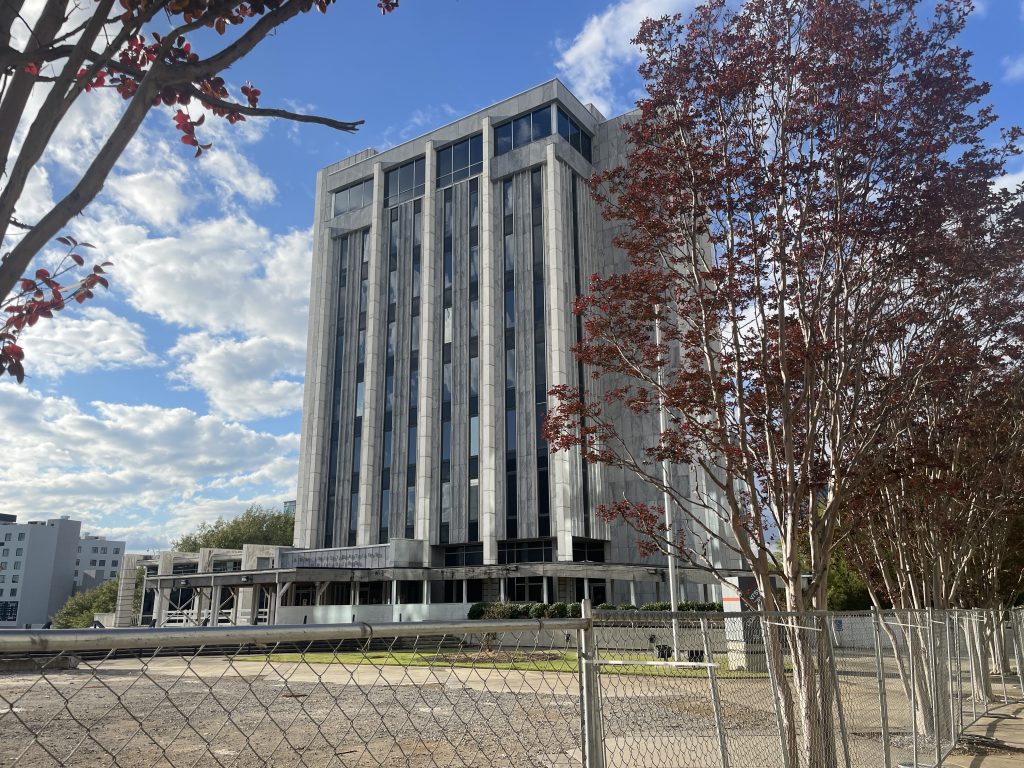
629	688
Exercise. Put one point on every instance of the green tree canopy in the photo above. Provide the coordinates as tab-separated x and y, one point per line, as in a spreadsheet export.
78	611
254	526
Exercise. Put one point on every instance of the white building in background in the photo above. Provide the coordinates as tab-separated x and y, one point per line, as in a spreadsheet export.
40	567
98	559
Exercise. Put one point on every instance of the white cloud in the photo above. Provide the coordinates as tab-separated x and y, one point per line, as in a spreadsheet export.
92	339
1013	68
226	275
603	46
155	196
242	379
233	174
168	467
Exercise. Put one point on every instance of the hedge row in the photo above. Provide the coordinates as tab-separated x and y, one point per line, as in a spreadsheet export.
569	610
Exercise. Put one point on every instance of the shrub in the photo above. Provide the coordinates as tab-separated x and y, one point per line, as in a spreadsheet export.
607	607
478	611
574	610
659	606
538	611
664	605
558	611
626	607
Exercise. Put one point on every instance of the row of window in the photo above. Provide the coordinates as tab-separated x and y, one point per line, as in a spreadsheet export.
354	196
102	550
21	536
464	159
113	574
17	565
12	593
102	563
15	578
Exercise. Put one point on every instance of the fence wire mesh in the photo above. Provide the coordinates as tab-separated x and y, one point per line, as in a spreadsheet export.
500	698
619	689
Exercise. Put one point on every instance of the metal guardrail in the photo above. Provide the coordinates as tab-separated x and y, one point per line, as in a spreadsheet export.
71	641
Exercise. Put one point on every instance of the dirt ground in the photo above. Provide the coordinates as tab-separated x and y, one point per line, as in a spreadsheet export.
213	711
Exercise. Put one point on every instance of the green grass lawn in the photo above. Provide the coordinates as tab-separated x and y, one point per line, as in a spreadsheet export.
541	661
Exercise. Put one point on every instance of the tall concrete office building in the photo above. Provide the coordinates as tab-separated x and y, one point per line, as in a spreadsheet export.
444	273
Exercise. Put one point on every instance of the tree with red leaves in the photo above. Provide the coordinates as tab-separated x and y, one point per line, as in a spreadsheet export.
808	208
141	49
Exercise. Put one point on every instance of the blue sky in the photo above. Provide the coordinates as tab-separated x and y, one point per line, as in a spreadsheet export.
175	397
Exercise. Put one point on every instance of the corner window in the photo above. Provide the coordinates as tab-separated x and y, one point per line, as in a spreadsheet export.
358	195
523	130
578	139
460	161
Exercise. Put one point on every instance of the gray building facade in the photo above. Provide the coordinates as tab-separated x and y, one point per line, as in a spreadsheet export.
444	274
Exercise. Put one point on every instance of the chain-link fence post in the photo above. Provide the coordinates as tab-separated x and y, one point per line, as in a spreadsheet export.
947	633
1015	638
912	663
883	707
593	737
773	679
933	684
959	677
716	701
844	736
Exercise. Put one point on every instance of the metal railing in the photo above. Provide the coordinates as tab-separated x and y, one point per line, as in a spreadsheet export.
607	690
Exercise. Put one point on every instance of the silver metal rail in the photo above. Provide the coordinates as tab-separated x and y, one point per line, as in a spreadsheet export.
57	640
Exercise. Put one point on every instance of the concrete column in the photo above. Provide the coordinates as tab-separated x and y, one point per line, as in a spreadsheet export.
373	378
465	590
355	593
394	592
215	601
546	596
586	588
490	347
559	340
632	594
426	407
254	604
426	592
501	590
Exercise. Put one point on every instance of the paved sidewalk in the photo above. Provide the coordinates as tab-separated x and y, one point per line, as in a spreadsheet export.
1004	724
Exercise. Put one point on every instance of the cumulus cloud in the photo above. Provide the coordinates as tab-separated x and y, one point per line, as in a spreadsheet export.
591	61
92	339
168	467
1013	68
242	379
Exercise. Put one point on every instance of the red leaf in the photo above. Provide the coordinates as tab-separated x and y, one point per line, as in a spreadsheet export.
63	240
27	285
78	259
42	274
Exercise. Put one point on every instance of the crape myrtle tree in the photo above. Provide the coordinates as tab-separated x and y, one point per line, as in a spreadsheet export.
141	49
804	178
941	517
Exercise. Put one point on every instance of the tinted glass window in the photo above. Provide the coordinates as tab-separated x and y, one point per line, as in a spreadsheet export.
353	196
460	161
541	123
503	139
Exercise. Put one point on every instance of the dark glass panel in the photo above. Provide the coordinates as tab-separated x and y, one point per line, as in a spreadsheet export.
419	169
341	198
476	149
541	123
502	139
521	131
444	162
460	156
585	147
574	136
563	124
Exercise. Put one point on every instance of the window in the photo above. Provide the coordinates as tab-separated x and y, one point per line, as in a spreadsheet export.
113	574
411	447
95	550
474	436
103	562
3	578
460	161
446	440
5	552
7	537
113	563
446	383
360	397
117	550
404	183
570	130
14	592
17	565
510	432
354	196
523	130
21	536
103	550
15	578
414	387
410	512
92	563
